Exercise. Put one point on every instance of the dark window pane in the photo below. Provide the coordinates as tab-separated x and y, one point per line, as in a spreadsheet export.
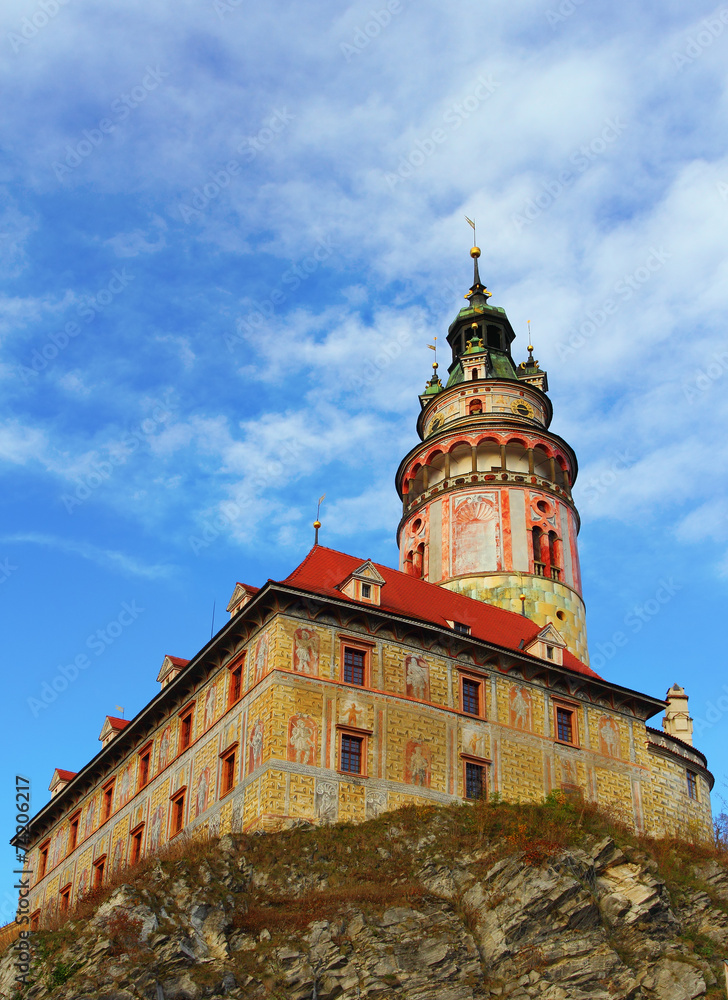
471	697
351	754
692	785
474	781
564	725
354	666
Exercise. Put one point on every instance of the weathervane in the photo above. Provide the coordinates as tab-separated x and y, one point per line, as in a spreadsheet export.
317	522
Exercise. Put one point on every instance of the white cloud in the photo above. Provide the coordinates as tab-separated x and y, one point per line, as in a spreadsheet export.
107	558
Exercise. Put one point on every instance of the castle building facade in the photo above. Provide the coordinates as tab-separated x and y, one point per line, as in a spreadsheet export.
351	688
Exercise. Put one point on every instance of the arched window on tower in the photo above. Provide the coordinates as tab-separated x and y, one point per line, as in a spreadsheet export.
419	561
555	556
475	373
409	566
476	406
537	539
494	337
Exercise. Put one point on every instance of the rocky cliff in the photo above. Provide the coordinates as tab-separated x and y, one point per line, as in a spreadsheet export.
459	903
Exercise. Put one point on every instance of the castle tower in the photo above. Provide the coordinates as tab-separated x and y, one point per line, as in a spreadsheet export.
486	494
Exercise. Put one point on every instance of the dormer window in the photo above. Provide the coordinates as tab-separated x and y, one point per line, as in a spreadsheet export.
548	644
460	627
549	652
364	584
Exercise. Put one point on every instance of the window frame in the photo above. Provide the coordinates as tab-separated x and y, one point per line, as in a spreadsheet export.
560	704
64	896
43	852
136	840
473	679
359	646
229	754
74	825
692	782
185	715
352	732
99	867
144	754
35	920
177	799
107	799
235	669
484	764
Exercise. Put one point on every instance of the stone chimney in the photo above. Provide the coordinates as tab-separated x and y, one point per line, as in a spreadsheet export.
676	720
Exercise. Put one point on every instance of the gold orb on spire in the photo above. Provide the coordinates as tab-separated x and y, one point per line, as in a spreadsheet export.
475	252
317	524
435	365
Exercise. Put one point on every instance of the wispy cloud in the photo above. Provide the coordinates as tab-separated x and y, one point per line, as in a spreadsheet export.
107	558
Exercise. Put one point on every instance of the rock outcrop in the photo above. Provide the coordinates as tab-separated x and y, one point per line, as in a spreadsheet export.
417	905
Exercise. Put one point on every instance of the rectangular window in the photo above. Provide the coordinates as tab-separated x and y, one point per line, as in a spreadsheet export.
43	859
99	869
145	758
366	590
351	753
65	895
227	779
35	920
471	696
549	652
236	684
178	813
354	665
692	785
185	728
107	801
73	832
564	725
461	628
137	842
474	781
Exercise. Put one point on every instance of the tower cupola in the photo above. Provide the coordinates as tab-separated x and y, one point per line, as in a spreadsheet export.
486	494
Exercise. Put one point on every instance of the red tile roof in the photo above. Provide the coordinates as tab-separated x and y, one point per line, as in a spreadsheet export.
177	661
65	775
324	569
118	723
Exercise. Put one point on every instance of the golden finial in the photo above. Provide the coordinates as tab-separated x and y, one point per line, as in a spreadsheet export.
317	523
475	252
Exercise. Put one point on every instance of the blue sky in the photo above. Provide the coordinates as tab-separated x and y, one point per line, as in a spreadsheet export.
227	233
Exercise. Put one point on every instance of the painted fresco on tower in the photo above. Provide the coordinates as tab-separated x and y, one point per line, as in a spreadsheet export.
201	792
476	535
306	651
210	705
302	739
259	664
417	764
521	708
609	737
255	745
417	677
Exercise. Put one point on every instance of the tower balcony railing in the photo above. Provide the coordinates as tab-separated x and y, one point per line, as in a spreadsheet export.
494	478
539	568
555	573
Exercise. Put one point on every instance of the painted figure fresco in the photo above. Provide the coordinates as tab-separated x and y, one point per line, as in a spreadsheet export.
83	882
255	745
302	734
91	817
417	764
306	651
155	828
474	742
203	786
164	746
210	705
327	801
118	855
58	847
520	708
476	535
259	663
126	784
609	737
417	678
238	812
376	803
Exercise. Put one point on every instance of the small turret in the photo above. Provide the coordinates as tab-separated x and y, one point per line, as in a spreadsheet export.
676	720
